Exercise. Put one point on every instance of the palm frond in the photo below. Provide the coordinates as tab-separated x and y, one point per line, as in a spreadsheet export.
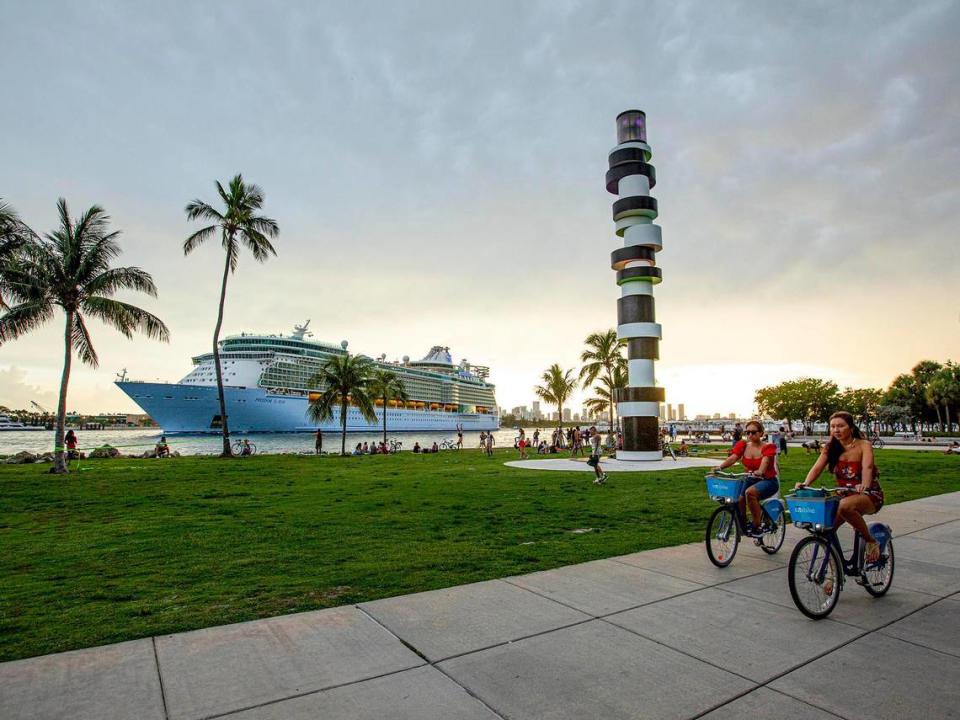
123	278
199	210
81	342
197	239
22	318
125	318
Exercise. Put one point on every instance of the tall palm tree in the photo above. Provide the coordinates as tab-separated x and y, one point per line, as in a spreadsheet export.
386	385
70	268
557	387
239	225
343	379
602	358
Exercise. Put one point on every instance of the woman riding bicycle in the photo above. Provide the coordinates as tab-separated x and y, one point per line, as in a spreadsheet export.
850	458
760	460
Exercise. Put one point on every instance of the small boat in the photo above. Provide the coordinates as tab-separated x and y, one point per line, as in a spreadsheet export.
7	424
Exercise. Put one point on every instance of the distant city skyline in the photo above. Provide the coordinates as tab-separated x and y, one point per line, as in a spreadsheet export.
437	174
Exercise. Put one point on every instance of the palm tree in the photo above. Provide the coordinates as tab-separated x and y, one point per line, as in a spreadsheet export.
343	379
605	399
386	385
557	387
239	225
603	358
70	268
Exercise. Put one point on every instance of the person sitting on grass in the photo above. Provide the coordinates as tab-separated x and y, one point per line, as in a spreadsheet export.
684	449
416	447
542	448
246	449
850	458
358	450
435	448
162	449
952	449
760	460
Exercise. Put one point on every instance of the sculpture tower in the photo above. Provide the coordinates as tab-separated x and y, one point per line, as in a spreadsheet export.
630	178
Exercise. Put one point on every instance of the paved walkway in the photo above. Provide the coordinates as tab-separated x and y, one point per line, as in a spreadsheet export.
657	634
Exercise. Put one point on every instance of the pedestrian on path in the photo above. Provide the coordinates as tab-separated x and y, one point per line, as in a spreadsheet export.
594	461
489	444
318	443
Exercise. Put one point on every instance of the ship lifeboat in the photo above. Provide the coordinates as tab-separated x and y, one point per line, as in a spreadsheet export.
434	406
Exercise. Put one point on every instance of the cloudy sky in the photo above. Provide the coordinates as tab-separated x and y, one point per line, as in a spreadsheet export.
437	168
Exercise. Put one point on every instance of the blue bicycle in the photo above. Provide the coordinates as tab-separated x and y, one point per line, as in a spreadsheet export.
818	567
727	523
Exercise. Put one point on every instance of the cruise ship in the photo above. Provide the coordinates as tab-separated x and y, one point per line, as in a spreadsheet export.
266	389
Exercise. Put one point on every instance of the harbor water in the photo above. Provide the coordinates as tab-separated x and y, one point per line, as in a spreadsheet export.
136	441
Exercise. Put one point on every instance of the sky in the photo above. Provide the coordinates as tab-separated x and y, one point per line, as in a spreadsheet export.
437	172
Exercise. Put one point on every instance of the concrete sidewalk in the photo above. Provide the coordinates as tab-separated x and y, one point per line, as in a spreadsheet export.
657	634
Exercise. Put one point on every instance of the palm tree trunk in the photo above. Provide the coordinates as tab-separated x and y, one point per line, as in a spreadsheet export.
216	361
384	420
613	395
343	427
59	455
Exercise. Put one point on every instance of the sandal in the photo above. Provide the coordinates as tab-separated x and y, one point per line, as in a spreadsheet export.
872	552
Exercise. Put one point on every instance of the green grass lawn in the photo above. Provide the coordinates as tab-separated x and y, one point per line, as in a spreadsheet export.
122	549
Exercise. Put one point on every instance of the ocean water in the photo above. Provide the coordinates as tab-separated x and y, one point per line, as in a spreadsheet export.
135	441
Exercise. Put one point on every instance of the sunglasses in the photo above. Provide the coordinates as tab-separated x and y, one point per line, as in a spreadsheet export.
751	432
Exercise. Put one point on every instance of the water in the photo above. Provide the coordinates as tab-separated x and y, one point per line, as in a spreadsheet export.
135	441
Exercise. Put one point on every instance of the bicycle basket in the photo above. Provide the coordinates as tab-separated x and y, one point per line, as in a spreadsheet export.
809	492
820	511
725	488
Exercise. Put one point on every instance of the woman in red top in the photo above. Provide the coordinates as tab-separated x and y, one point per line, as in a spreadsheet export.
760	460
850	458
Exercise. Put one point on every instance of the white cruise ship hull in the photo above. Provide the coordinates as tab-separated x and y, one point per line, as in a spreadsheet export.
182	408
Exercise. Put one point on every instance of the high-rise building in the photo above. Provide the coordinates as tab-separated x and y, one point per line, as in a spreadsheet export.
670	416
566	414
716	416
576	417
681	415
536	410
663	412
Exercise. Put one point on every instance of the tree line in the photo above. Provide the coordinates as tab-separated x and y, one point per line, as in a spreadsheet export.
926	398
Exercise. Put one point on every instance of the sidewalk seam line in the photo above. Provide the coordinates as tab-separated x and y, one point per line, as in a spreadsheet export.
432	664
306	693
163	692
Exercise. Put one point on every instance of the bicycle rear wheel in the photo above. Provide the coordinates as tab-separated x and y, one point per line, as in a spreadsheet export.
877	443
879	575
723	536
815	575
772	541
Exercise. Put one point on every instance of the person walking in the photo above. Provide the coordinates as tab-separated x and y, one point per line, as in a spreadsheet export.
489	444
783	441
522	444
459	436
318	442
594	461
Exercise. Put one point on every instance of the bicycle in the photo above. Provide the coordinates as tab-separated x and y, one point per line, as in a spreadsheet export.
876	442
239	448
818	566
728	523
448	445
396	446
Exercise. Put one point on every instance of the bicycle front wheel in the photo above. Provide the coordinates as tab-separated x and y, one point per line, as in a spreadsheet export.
878	576
723	536
877	443
815	576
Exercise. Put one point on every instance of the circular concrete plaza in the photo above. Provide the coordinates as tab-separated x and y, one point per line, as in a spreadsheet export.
608	465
